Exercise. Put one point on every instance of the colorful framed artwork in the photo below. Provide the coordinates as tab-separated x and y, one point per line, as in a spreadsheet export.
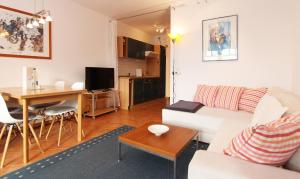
220	39
18	41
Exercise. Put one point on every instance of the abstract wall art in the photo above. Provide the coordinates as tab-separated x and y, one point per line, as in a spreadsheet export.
220	39
19	41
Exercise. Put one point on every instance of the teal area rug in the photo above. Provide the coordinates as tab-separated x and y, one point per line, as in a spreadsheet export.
97	158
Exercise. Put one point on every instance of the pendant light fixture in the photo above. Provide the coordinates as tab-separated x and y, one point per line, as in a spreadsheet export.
40	17
29	24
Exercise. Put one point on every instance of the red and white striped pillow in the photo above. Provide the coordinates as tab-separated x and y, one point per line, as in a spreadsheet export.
250	98
272	144
206	95
228	97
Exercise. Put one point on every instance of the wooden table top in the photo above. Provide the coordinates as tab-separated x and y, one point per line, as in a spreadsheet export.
19	93
169	145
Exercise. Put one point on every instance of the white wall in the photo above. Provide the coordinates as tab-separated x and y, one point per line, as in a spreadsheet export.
81	37
266	42
296	71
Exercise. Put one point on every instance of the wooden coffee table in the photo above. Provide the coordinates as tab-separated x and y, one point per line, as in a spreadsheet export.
168	146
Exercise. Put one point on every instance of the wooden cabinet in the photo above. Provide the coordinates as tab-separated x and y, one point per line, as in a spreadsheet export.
153	62
132	49
126	92
122	47
138	90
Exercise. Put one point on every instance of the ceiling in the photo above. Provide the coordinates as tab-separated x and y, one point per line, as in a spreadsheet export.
122	9
146	22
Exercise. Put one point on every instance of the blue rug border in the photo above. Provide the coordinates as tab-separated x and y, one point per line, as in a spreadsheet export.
27	171
60	156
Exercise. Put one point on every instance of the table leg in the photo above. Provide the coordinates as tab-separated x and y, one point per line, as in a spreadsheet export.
25	131
79	120
175	169
120	151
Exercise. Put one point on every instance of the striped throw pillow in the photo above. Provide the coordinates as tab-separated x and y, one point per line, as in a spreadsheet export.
271	144
228	97
206	95
250	99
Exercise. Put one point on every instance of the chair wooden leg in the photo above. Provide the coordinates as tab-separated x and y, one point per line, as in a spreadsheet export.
52	123
60	129
20	130
35	137
42	128
70	125
3	130
6	146
83	134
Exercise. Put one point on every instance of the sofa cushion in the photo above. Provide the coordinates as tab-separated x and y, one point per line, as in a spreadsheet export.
268	109
228	130
272	144
286	98
250	98
210	165
228	97
206	95
185	106
294	162
207	120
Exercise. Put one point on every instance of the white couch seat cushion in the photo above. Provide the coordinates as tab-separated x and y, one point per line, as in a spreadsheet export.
210	165
207	120
227	132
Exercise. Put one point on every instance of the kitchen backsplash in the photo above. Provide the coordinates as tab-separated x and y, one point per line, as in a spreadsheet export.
126	66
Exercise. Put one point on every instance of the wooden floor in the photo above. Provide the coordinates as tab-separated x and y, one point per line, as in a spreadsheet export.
139	115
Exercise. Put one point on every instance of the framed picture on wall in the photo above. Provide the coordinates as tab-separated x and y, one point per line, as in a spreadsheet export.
19	41
220	39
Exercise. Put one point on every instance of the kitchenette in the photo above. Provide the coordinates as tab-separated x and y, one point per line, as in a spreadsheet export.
142	71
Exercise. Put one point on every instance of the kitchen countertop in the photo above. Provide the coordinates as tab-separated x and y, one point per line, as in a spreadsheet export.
139	77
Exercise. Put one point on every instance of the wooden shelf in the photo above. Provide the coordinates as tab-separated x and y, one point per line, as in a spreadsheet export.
97	103
100	98
100	111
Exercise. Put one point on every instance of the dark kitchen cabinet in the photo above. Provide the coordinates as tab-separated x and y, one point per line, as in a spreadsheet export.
146	89
149	89
138	91
136	49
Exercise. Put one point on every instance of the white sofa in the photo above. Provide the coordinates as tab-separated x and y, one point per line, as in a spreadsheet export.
218	127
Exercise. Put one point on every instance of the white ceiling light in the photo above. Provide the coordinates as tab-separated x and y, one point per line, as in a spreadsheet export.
43	16
42	20
35	23
159	28
48	17
29	25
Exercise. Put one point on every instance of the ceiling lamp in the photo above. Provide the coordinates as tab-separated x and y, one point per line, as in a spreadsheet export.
41	17
42	20
35	23
29	24
159	28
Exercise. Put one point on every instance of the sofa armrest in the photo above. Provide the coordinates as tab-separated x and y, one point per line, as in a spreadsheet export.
212	165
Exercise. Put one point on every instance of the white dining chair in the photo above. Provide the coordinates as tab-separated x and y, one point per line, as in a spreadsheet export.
40	108
62	110
10	120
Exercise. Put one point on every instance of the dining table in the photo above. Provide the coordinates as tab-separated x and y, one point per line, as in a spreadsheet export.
44	95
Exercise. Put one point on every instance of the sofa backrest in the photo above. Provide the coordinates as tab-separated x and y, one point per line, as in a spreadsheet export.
291	101
286	98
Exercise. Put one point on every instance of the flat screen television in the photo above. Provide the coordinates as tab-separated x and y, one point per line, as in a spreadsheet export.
99	78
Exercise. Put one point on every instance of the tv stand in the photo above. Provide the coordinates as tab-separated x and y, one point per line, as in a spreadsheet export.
103	97
102	90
